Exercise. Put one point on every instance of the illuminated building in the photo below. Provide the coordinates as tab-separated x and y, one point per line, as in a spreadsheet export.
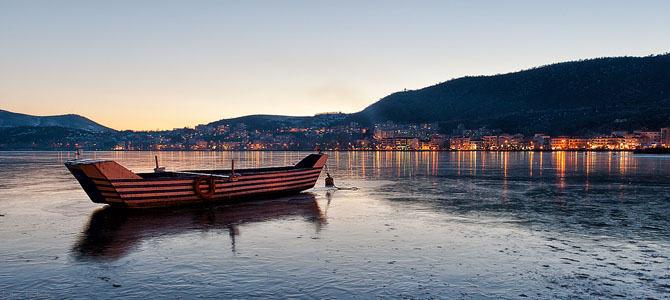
559	143
665	137
400	143
578	143
607	143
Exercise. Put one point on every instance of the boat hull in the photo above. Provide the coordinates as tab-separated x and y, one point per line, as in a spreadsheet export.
110	183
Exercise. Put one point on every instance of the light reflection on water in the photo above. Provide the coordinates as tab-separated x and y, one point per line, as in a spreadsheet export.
406	224
113	233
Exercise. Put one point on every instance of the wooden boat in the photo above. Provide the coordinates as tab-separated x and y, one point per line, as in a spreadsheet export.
108	182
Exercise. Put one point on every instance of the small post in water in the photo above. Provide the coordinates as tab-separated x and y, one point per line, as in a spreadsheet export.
330	182
158	169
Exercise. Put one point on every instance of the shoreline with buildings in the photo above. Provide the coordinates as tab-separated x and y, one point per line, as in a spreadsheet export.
396	137
387	136
662	150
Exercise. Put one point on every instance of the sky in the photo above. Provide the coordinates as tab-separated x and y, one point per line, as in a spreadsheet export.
146	65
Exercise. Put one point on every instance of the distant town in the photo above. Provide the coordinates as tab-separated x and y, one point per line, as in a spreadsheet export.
352	136
387	136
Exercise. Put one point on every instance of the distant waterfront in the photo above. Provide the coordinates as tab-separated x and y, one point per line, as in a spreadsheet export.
661	150
352	136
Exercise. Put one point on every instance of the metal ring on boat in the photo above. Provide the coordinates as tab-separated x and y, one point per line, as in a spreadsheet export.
210	181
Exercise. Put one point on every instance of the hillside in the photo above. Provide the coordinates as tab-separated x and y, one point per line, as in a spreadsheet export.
266	122
10	119
566	98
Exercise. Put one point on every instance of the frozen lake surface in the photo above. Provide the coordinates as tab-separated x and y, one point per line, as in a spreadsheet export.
421	225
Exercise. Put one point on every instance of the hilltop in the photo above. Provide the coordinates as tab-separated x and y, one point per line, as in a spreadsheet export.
10	119
595	95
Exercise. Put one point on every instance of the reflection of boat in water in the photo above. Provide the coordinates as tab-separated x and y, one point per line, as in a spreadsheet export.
110	183
112	233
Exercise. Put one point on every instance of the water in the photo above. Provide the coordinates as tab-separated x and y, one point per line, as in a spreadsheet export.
422	225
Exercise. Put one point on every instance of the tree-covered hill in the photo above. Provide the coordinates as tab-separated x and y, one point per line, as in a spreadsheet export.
11	119
566	98
266	122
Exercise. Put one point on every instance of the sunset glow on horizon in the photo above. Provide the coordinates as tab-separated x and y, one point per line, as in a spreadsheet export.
146	65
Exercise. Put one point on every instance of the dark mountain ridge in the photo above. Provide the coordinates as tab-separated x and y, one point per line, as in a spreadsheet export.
269	122
564	98
10	119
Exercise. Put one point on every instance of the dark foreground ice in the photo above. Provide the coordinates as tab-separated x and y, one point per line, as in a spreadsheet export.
415	225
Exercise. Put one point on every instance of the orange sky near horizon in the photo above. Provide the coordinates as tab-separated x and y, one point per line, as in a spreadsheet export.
146	65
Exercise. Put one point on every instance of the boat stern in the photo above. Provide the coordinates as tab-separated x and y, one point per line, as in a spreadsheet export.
313	161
